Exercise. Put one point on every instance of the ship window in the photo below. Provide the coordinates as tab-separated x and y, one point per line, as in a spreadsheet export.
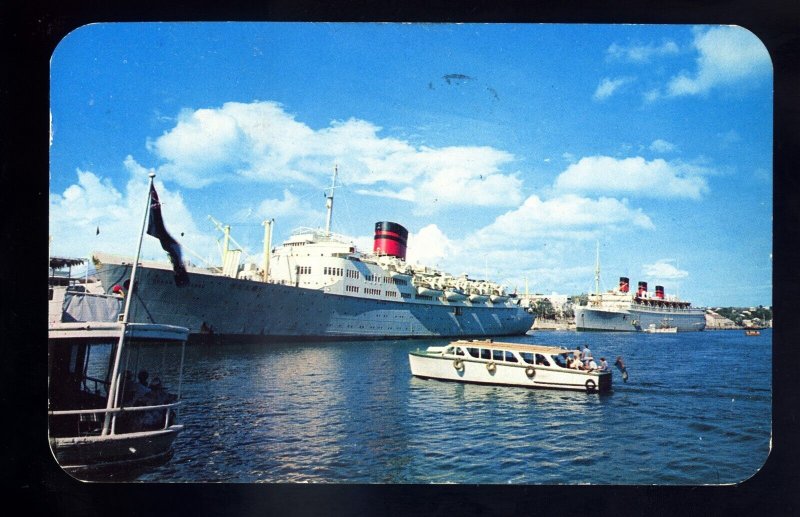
540	359
486	353
459	351
497	355
473	352
527	357
510	357
449	350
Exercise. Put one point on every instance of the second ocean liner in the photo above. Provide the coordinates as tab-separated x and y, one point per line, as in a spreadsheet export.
316	285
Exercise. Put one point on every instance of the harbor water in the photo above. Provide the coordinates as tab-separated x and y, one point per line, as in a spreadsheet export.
696	410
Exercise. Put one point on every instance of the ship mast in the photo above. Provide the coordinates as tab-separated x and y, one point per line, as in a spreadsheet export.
267	247
597	271
329	202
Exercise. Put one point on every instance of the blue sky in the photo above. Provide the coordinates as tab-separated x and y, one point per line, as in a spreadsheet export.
507	150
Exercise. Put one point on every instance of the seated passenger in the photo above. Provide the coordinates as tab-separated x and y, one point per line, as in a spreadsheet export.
140	389
591	365
154	418
576	363
603	365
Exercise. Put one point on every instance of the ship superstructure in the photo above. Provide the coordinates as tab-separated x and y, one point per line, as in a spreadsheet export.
317	285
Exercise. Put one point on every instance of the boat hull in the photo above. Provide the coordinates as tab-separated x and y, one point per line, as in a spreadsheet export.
471	370
219	308
634	320
87	454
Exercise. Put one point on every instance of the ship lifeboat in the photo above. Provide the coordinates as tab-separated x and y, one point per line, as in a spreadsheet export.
455	295
429	291
498	298
478	298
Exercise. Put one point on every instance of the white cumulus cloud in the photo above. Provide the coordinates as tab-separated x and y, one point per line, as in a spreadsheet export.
260	141
568	216
663	270
662	146
726	56
608	87
96	216
633	176
429	246
641	53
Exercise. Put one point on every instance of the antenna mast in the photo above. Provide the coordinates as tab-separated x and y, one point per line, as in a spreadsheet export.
597	271
329	201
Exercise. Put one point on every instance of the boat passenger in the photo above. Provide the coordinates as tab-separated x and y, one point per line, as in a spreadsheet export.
140	389
576	363
587	355
153	419
591	365
603	365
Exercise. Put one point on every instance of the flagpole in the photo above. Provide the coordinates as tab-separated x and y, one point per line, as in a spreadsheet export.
109	424
138	250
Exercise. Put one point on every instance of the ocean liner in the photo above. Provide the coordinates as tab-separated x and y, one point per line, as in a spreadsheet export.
316	286
624	311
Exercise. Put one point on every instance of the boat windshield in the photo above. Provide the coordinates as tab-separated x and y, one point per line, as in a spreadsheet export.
80	373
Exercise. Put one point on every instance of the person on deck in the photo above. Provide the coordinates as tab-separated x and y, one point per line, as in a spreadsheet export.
587	355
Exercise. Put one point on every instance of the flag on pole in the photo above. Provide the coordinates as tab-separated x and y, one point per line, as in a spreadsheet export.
155	227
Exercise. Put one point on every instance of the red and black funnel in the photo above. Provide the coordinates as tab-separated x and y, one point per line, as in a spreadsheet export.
390	239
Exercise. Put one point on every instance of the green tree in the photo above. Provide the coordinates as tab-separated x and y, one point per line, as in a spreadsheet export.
544	309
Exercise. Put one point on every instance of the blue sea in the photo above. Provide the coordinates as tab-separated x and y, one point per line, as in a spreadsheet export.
696	410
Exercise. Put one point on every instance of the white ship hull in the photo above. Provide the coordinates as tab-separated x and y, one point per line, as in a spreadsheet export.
637	319
220	308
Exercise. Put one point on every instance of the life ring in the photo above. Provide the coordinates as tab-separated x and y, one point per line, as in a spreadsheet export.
458	364
590	386
530	371
491	367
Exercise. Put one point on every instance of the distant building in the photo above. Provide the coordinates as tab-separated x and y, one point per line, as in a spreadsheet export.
563	316
716	322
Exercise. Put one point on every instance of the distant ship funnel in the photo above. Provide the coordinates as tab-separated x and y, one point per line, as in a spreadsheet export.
660	291
390	239
623	284
642	289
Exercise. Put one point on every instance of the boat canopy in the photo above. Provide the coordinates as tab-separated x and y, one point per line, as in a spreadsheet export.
518	347
108	330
